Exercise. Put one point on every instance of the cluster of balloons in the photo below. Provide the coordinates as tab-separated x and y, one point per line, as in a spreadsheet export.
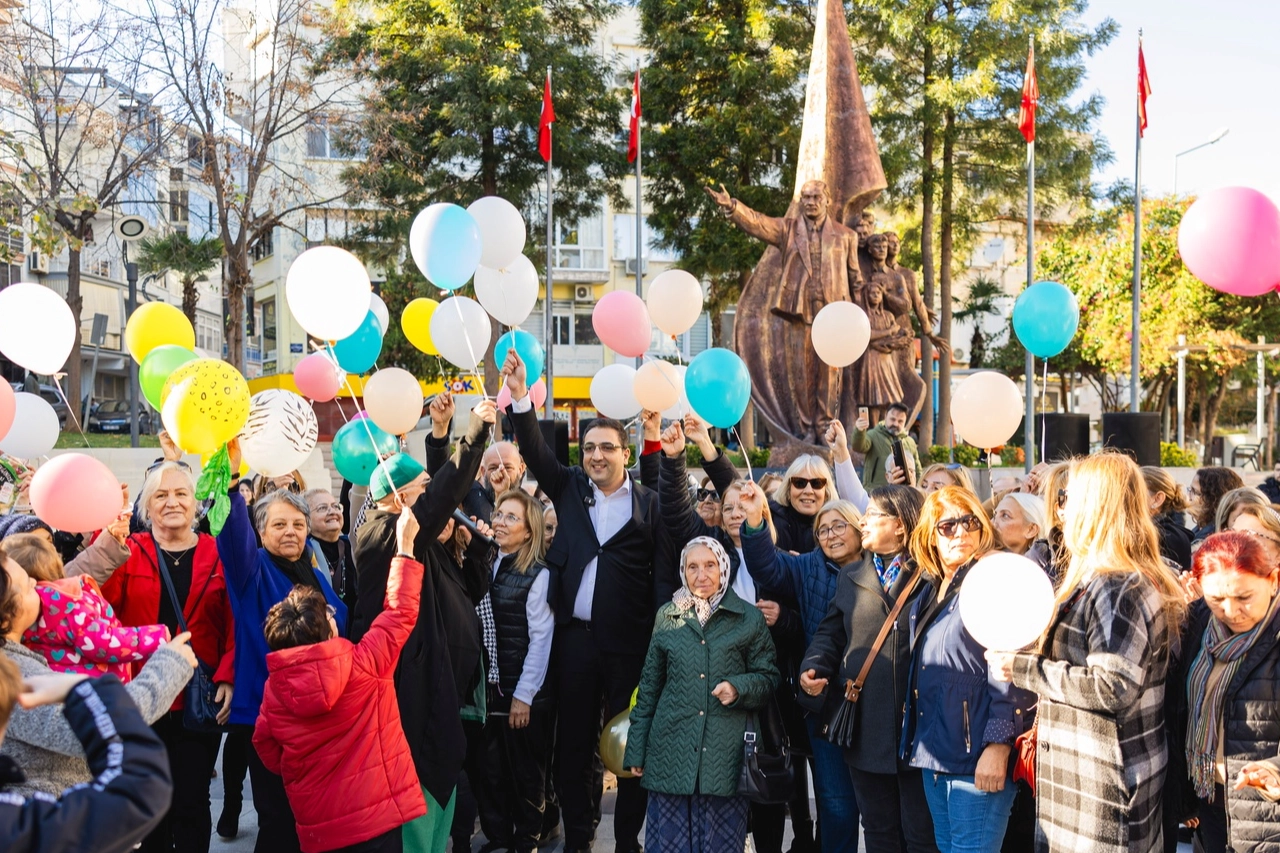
37	332
330	295
1230	239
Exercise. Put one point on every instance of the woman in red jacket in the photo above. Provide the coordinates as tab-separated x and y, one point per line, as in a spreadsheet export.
140	595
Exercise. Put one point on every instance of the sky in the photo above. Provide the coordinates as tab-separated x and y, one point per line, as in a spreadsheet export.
1212	64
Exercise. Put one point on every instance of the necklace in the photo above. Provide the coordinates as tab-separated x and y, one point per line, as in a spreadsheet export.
175	557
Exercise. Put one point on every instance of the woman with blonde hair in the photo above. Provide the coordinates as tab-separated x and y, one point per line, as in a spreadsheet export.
1168	507
959	724
1101	668
941	474
1255	518
805	487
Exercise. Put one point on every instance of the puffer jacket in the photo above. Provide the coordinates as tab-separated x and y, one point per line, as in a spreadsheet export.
1251	728
1175	538
683	738
809	579
330	726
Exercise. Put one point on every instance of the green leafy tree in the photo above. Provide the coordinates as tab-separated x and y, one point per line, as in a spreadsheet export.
722	104
982	301
452	114
189	259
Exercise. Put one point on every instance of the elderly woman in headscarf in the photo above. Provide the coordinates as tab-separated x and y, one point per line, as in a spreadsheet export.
709	664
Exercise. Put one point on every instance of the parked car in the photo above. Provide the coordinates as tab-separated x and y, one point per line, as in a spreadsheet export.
113	416
53	398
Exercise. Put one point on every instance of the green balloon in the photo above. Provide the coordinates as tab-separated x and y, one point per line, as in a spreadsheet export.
156	367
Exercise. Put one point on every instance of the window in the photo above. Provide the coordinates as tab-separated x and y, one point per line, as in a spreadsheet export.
331	225
99	267
328	137
580	245
624	240
584	333
208	333
560	329
265	247
177	176
179	206
268	326
196	152
10	274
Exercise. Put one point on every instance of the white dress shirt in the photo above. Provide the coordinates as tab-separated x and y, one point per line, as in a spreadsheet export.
743	585
542	623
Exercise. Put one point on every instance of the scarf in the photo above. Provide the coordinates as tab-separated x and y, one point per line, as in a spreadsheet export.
1208	705
300	571
684	599
888	574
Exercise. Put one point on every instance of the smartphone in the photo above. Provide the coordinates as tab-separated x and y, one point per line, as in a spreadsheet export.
899	455
863	412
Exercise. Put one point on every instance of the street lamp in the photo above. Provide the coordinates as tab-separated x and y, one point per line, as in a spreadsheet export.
1217	137
129	229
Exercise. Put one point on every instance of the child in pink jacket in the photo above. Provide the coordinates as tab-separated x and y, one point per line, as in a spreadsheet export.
77	630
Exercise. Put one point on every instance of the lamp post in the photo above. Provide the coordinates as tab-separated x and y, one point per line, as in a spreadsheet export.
1217	137
129	229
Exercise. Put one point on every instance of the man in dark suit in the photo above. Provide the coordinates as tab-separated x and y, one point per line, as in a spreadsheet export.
603	596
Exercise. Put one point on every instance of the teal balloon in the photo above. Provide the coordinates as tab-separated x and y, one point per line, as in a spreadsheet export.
359	352
1045	318
156	367
718	387
445	242
527	346
358	448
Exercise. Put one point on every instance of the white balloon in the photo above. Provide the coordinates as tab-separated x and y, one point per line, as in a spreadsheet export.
393	399
1006	602
508	294
379	309
280	433
682	407
658	385
986	409
675	301
328	292
37	328
502	232
612	394
35	426
460	330
841	333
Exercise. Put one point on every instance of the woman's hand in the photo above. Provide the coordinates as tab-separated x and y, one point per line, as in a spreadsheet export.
695	430
225	691
47	689
837	441
673	440
726	693
233	456
182	645
752	500
119	529
770	610
441	410
1000	665
519	716
652	423
636	771
993	768
811	684
1260	775
487	411
406	531
170	450
1190	587
484	529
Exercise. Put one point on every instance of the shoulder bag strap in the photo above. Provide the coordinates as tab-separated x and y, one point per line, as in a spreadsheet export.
853	689
168	585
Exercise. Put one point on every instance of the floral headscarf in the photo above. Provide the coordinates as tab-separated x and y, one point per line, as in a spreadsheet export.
684	598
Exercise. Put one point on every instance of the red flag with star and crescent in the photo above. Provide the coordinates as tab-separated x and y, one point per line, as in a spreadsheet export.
1030	99
1144	90
548	118
633	144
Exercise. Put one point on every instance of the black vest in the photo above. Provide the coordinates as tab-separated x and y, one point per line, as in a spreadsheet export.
508	594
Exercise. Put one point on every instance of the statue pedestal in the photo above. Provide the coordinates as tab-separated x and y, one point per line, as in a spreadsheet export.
786	449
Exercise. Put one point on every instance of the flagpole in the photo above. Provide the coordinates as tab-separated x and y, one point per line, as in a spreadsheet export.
639	202
1135	343
1029	426
548	325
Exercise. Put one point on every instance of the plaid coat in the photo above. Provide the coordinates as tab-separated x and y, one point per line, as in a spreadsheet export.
1101	764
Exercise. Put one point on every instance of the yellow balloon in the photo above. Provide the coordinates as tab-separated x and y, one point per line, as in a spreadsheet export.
204	404
613	744
416	323
156	324
204	462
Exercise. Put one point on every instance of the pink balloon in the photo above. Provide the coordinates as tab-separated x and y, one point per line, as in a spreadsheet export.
537	394
1230	239
317	378
621	321
8	405
503	400
76	493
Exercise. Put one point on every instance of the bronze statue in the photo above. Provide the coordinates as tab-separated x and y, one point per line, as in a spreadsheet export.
877	379
865	226
819	266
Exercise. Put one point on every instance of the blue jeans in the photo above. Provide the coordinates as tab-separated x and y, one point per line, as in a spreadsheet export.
837	805
966	820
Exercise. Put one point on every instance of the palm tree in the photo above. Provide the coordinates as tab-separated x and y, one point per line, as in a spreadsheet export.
978	303
190	259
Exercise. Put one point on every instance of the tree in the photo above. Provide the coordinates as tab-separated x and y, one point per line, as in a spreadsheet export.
722	104
947	78
245	90
980	302
451	114
189	259
83	136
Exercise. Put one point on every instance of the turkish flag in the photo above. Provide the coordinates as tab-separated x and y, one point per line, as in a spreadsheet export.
1144	89
548	118
633	144
1030	98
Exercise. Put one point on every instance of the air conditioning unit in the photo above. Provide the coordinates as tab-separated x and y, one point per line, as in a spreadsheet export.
584	293
631	266
38	262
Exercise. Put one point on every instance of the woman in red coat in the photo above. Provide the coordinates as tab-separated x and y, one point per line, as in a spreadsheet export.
139	594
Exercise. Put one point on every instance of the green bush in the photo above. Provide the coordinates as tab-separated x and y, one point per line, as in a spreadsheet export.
692	456
575	454
967	455
938	453
759	457
1173	456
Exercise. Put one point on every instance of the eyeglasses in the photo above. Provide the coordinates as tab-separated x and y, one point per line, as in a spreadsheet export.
708	495
331	610
321	509
507	518
949	527
607	448
835	528
1273	540
1193	492
815	483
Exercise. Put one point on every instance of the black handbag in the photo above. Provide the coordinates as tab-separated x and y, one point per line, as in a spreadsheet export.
766	776
200	706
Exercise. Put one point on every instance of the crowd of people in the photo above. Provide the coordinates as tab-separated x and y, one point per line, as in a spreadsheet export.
432	658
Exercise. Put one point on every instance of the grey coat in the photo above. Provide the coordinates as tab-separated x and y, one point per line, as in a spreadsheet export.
100	560
42	742
1100	769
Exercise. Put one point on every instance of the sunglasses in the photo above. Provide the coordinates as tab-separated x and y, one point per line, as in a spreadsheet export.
708	495
948	527
1062	497
815	483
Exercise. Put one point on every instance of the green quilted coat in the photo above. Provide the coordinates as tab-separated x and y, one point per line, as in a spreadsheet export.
683	738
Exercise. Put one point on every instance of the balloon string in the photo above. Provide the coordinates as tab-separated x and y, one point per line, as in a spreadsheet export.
345	419
743	449
382	463
57	384
1044	390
